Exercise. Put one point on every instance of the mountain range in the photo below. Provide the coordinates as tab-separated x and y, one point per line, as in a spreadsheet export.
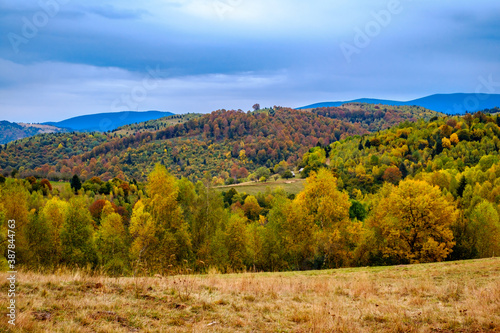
445	103
100	122
104	122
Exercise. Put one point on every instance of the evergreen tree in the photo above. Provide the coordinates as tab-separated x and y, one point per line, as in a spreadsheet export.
76	183
404	171
461	186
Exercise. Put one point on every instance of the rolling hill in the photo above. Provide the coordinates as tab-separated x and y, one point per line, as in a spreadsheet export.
446	103
223	142
104	122
15	131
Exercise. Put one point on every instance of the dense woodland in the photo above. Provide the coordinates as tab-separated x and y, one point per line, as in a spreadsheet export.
217	142
421	191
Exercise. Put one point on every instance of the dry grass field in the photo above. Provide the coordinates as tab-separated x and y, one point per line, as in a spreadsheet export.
442	297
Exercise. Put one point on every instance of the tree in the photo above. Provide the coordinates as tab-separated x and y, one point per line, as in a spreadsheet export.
297	234
322	200
38	241
171	230
446	143
256	107
111	242
329	209
262	172
54	213
485	229
77	235
14	202
75	183
461	186
392	175
45	183
251	208
287	174
414	220
143	232
236	242
357	210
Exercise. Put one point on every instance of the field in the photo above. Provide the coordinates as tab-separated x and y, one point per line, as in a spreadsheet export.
440	297
291	186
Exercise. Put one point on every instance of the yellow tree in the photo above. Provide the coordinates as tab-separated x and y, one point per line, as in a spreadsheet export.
414	221
14	201
329	209
322	200
251	208
111	241
297	234
171	231
142	230
54	213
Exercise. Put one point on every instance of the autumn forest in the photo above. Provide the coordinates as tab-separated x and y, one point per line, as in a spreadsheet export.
383	186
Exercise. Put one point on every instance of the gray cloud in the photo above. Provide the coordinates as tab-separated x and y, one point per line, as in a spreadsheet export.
232	53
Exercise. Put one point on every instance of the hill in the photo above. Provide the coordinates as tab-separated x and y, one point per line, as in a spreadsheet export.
418	192
373	117
441	297
15	131
155	124
445	103
104	122
228	144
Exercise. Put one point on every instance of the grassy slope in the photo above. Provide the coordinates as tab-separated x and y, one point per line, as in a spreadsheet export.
446	297
291	186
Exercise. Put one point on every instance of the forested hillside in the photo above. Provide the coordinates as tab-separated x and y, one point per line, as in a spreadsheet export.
228	144
155	124
419	192
376	117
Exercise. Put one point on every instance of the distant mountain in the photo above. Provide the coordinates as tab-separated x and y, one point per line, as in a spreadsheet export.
14	131
446	103
103	122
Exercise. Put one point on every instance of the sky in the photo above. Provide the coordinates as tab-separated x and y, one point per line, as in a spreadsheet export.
64	58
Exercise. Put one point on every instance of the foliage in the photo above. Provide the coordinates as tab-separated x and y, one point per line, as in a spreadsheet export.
401	195
414	223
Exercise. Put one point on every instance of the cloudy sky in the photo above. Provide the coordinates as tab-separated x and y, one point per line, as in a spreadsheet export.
62	58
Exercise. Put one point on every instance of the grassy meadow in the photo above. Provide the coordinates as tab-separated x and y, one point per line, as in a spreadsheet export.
291	186
462	296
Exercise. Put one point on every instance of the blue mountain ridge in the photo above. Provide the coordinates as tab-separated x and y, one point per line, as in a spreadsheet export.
446	103
103	122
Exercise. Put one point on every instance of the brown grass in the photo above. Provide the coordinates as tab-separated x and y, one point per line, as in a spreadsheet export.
443	297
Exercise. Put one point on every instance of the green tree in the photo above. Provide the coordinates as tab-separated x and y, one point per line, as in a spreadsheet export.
236	242
38	241
485	229
76	183
461	186
77	234
263	172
